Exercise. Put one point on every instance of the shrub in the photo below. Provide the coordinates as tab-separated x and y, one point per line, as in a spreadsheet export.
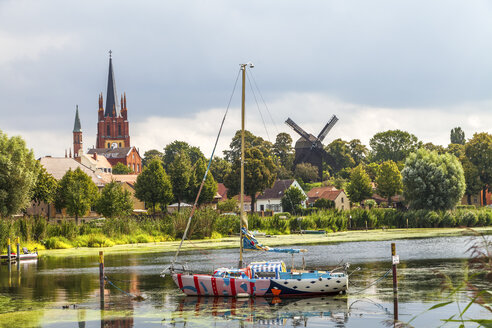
227	224
57	243
39	228
448	219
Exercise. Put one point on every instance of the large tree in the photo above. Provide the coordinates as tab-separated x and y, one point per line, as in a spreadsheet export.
259	174
175	147
153	185
292	199
457	136
358	151
306	172
394	145
359	187
472	178
121	168
388	180
220	168
340	152
250	140
45	188
180	173
283	150
479	151
18	174
150	155
114	201
76	192
432	181
209	189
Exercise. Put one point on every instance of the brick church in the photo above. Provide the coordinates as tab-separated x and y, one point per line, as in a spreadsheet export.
113	131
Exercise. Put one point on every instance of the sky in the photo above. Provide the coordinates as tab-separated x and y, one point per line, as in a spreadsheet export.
420	66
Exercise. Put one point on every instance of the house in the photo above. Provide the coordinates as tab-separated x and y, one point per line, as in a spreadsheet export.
127	182
270	199
96	163
128	156
246	201
331	193
396	201
57	167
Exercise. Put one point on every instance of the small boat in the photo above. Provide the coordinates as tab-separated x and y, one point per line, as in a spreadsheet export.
26	255
270	278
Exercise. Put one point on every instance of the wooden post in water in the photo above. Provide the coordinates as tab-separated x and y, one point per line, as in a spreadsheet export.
9	251
395	259
101	278
18	253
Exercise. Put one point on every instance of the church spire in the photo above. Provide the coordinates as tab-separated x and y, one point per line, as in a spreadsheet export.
76	126
111	97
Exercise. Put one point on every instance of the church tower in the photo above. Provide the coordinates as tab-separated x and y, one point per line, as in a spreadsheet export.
77	135
112	126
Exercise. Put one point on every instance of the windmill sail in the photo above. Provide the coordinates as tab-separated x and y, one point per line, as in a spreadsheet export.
297	128
333	120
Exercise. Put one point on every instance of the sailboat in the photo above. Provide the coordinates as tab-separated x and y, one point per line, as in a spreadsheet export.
268	278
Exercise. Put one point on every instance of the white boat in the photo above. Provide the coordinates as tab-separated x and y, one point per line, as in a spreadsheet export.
269	278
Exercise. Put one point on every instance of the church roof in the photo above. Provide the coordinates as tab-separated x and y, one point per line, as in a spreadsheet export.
118	152
76	125
111	97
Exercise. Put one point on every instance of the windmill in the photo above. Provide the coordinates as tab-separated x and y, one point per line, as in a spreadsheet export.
309	149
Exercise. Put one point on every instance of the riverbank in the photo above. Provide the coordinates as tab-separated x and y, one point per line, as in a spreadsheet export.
280	240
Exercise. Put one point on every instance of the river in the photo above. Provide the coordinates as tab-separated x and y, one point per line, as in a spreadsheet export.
38	294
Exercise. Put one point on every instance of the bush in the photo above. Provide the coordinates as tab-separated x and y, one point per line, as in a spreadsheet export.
448	219
57	243
227	224
39	228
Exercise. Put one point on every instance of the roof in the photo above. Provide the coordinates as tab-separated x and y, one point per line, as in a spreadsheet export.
222	190
76	126
125	178
117	152
278	189
111	97
328	194
100	162
58	166
317	191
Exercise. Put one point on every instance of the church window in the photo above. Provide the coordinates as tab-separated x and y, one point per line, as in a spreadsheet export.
138	167
109	145
119	130
134	167
108	132
120	144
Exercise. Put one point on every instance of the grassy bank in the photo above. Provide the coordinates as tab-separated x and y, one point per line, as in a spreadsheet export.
280	240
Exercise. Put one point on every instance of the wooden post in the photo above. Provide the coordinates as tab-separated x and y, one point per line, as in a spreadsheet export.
101	278
9	251
395	260
18	253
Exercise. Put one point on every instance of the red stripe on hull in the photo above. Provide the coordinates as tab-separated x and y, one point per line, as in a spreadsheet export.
180	281
197	286
252	288
214	286
233	287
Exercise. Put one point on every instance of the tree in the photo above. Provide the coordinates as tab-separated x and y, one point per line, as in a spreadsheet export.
180	173
76	192
153	185
228	205
359	188
388	180
150	155
479	151
340	151
457	136
282	148
121	168
394	145
431	147
18	174
114	201
175	147
45	188
250	140
372	170
358	151
292	199
472	179
259	174
432	181
209	189
457	150
306	172
220	168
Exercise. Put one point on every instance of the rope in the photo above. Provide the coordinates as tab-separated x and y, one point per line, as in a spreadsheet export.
373	283
121	290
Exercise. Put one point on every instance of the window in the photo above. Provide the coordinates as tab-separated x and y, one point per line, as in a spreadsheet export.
108	130
138	167
119	129
342	199
109	145
120	144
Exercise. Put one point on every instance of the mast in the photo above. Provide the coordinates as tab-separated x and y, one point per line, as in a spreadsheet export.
244	219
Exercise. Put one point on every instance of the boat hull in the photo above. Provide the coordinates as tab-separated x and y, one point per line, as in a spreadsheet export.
207	285
23	257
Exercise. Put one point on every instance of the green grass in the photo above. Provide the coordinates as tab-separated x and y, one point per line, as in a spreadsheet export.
280	240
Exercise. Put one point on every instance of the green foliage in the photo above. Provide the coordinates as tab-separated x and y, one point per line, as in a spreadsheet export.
306	172
180	173
250	141
114	201
394	145
45	187
370	203
227	224
149	155
228	205
292	199
209	189
432	181
340	152
121	168
359	187
153	185
76	192
283	151
322	203
18	175
175	147
478	150
388	180
220	168
457	136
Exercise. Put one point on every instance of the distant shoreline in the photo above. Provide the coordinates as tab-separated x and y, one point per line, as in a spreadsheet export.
278	240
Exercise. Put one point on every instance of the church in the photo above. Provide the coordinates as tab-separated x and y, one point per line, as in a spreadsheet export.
113	130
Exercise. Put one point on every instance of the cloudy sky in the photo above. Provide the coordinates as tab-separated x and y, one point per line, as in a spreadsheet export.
420	66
